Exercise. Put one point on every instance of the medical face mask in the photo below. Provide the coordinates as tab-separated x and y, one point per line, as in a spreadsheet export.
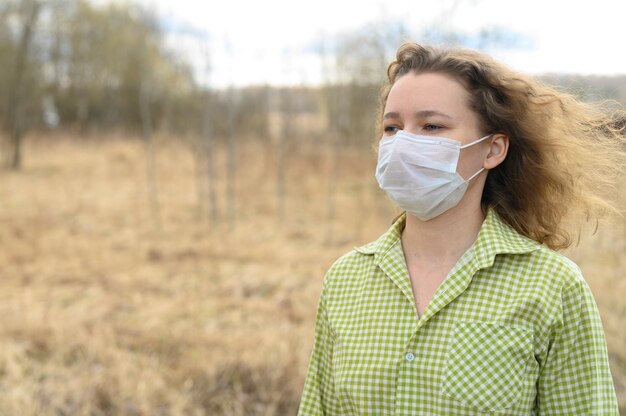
419	172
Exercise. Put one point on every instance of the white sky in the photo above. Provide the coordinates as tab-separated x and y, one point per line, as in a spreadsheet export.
252	42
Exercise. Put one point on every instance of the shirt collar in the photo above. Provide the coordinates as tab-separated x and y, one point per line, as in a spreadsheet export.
495	237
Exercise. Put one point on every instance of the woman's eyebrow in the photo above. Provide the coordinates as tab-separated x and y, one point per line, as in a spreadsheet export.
418	114
391	114
431	113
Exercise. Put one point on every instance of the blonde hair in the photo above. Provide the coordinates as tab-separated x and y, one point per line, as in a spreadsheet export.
564	158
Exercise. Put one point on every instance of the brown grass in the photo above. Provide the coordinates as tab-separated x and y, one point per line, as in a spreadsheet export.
103	313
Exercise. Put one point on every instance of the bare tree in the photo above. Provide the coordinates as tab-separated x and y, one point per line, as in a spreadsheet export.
146	120
205	163
329	104
210	161
333	177
281	152
204	145
231	173
28	13
282	147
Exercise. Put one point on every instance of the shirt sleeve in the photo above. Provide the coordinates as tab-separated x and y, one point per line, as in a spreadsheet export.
317	395
576	379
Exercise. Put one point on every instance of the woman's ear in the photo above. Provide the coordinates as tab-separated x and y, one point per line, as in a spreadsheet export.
498	148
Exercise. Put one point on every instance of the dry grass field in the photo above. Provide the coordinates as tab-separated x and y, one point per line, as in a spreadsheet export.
102	312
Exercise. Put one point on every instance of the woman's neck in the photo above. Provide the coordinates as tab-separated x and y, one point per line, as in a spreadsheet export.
444	239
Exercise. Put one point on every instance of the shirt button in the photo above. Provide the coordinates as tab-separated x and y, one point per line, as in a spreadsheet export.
409	356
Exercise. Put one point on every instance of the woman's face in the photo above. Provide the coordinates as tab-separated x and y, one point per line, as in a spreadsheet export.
436	104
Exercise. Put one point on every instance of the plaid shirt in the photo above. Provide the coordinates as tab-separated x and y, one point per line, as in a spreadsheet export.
512	330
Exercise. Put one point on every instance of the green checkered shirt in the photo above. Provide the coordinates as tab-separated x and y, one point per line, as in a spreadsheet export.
512	330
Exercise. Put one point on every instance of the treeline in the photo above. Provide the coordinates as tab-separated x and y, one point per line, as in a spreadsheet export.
69	62
76	65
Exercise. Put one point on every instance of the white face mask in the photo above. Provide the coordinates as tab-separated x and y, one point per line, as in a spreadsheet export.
419	172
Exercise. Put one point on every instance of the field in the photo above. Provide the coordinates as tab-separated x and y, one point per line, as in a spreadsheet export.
105	310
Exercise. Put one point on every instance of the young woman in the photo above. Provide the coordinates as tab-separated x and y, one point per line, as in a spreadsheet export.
463	307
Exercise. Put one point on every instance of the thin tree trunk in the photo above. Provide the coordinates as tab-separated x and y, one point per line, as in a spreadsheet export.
338	128
199	152
17	95
146	121
281	168
210	167
333	176
232	159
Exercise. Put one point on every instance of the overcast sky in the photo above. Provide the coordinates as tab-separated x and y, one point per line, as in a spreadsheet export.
249	42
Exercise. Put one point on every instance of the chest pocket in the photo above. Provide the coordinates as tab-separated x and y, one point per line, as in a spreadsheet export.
486	363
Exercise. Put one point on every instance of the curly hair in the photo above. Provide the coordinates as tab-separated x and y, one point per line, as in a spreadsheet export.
565	156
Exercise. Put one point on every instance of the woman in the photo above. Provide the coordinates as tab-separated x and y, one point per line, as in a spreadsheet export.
462	307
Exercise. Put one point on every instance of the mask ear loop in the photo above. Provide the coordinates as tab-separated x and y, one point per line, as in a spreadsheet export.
476	141
471	144
474	175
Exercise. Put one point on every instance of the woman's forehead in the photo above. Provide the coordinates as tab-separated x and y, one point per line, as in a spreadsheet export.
428	92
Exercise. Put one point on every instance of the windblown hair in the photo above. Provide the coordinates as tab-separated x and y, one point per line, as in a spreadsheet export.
565	156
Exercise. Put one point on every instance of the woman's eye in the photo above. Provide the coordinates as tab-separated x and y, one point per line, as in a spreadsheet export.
391	130
431	127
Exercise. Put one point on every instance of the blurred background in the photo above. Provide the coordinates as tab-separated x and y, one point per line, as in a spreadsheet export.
176	178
